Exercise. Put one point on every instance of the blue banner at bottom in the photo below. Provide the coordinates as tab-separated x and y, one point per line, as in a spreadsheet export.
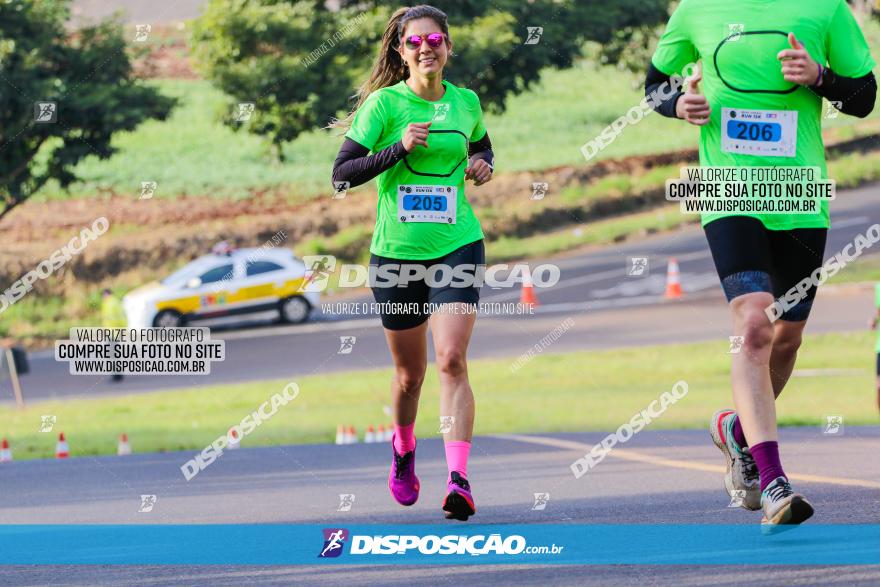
565	544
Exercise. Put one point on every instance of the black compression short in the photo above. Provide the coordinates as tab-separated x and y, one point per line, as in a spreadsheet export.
751	258
408	307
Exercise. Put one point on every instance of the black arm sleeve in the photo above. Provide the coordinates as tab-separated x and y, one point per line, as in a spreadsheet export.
482	149
354	165
851	95
661	101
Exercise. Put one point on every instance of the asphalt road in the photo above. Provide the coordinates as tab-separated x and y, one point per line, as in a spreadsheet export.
658	477
608	308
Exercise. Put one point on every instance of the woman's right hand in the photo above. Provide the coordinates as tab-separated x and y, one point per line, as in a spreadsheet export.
416	134
693	106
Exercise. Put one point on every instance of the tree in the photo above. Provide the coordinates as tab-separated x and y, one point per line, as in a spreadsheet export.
299	62
494	59
863	9
255	51
63	96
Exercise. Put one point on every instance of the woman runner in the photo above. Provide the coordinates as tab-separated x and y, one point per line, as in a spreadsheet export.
770	63
422	136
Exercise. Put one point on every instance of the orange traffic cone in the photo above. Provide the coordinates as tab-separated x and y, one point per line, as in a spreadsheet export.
5	452
61	449
234	440
673	281
370	436
123	448
351	437
340	434
528	296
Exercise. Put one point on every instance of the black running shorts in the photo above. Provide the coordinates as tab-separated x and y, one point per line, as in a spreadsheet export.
402	308
750	258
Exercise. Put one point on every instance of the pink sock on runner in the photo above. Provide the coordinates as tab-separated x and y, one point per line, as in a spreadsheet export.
766	455
738	435
457	452
404	438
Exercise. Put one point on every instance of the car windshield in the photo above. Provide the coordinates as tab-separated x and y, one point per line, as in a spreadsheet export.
188	271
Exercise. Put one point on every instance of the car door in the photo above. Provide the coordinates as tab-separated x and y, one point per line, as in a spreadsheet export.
258	287
213	289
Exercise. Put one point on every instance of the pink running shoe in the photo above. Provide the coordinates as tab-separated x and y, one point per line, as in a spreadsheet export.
459	503
402	480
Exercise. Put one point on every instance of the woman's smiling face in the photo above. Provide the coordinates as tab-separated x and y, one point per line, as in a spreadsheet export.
424	60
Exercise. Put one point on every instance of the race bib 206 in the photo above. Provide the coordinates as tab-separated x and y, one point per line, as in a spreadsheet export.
766	133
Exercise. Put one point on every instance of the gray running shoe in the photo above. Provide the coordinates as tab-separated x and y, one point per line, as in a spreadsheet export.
741	479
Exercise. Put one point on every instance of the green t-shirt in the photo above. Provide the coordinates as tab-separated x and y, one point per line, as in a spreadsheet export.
877	301
456	119
744	73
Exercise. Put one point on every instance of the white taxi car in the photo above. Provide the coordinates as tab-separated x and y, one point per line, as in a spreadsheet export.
227	282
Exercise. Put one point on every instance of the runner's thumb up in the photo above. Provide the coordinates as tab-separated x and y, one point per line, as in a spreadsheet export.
795	44
693	84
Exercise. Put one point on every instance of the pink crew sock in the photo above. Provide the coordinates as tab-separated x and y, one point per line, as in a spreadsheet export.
738	435
457	452
404	438
766	455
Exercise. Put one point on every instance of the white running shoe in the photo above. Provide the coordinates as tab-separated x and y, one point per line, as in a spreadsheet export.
783	508
741	479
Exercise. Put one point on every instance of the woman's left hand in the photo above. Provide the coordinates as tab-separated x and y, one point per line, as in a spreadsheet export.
797	65
479	171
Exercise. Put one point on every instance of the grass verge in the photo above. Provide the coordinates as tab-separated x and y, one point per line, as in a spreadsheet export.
866	268
193	153
552	393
